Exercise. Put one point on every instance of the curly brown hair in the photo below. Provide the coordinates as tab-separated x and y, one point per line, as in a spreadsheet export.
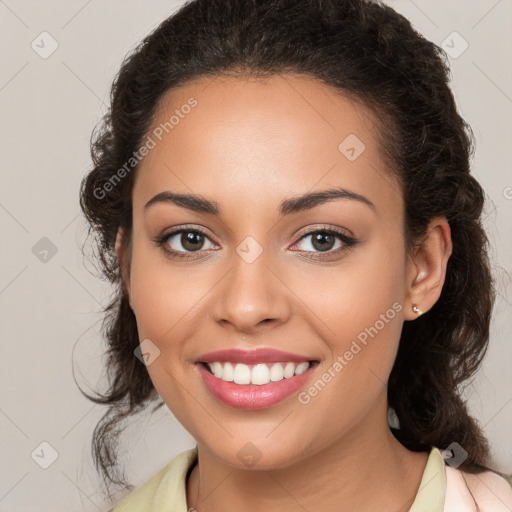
364	49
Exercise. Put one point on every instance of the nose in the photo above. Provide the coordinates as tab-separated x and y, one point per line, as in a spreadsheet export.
251	297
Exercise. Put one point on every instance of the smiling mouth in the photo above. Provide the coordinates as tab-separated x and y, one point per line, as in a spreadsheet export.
257	374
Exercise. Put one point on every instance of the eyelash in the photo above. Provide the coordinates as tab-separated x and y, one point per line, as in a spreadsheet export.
348	242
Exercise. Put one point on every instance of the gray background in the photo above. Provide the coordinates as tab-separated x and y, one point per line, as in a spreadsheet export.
50	302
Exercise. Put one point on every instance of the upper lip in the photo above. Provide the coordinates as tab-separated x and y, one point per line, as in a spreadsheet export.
260	355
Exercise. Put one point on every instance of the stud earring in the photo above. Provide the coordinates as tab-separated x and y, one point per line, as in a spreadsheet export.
416	309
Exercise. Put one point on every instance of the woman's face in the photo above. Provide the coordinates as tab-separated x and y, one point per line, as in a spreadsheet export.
266	274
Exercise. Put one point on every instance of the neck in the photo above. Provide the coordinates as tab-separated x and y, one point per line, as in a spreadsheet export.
366	469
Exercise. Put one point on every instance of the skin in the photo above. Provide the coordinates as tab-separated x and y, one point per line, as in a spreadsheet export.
248	145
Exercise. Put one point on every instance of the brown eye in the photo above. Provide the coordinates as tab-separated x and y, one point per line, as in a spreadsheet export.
192	240
182	243
186	240
322	242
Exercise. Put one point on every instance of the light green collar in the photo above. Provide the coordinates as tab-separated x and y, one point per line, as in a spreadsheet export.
431	493
166	490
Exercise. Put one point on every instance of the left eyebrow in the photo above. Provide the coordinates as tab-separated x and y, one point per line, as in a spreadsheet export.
289	206
308	201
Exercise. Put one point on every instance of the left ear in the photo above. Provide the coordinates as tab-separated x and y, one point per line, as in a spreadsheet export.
426	268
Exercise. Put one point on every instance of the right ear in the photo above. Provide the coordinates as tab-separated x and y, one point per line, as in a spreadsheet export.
119	242
120	248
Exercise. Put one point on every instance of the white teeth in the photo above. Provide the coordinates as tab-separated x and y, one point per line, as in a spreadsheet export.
217	370
301	368
258	374
276	372
289	370
228	372
242	374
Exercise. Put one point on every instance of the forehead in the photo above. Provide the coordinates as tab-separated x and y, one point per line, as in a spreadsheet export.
245	139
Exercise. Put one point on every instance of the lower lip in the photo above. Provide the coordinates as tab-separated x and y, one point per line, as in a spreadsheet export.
252	396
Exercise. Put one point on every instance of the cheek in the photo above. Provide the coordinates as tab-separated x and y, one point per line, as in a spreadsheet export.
353	381
358	311
165	296
352	296
166	299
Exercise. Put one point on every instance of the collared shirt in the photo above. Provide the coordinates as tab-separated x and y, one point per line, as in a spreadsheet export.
442	489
